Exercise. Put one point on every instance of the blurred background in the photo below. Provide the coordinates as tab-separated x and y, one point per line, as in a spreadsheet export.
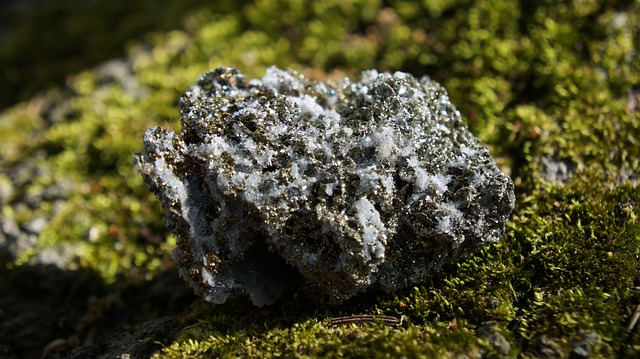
43	41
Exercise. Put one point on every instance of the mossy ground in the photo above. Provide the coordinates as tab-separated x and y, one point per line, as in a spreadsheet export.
539	82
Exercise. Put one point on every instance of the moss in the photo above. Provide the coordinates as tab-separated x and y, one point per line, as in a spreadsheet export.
538	82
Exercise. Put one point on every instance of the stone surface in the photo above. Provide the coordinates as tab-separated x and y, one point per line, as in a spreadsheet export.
489	332
583	347
281	182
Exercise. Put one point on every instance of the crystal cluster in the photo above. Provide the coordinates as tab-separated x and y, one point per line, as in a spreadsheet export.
280	183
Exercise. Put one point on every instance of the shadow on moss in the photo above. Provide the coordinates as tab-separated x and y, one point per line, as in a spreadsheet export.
46	310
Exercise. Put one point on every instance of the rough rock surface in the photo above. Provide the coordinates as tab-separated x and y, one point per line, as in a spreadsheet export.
282	182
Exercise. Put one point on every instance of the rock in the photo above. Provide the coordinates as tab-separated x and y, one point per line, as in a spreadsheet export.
556	171
583	347
490	333
119	71
545	347
282	182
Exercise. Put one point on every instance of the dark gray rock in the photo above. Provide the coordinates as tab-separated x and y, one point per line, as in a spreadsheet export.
140	344
281	182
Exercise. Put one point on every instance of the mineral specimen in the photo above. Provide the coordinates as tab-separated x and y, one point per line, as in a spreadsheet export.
281	183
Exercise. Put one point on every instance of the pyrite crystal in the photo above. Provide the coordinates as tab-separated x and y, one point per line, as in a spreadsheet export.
280	183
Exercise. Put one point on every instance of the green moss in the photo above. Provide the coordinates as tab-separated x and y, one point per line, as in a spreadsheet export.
580	258
541	81
313	339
